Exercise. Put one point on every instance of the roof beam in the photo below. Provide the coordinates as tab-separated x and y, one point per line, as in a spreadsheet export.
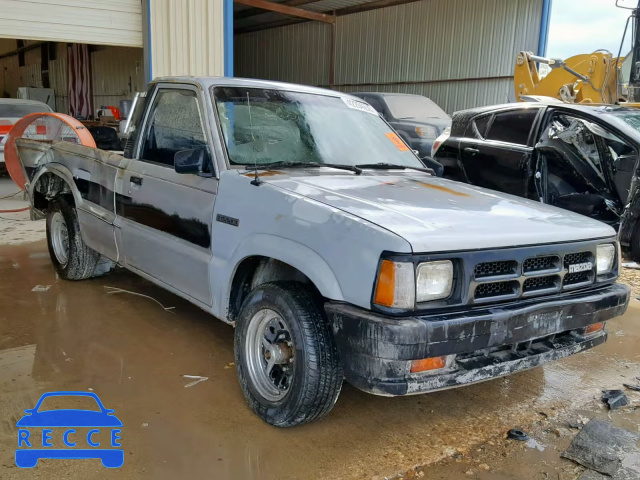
264	26
287	10
364	7
252	12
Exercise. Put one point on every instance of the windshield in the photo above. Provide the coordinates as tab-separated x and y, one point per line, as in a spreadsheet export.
629	117
414	107
264	126
19	110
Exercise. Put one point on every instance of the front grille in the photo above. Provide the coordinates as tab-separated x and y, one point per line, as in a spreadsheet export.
531	271
573	258
495	289
540	264
577	278
495	269
535	284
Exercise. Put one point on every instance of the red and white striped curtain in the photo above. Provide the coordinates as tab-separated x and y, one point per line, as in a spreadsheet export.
79	80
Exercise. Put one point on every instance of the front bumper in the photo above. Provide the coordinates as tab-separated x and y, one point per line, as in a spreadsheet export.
487	342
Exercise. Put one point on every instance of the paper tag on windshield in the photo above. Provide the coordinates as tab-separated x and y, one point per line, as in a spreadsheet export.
359	105
397	141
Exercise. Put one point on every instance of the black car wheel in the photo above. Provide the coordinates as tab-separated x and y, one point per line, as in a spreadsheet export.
286	358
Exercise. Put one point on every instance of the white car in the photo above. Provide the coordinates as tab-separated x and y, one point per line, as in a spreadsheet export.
12	110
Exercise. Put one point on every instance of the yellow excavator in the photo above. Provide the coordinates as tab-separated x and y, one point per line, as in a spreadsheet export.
596	77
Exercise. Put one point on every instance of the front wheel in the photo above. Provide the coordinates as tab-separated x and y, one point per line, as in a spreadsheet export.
286	359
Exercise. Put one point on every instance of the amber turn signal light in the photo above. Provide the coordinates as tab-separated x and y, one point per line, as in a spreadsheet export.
425	364
594	328
385	290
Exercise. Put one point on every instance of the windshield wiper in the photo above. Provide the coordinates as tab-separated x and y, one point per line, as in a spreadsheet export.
265	166
391	166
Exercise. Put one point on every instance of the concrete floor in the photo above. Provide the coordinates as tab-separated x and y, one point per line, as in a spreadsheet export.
133	354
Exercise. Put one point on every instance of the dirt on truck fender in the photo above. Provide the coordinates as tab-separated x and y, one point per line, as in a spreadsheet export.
334	259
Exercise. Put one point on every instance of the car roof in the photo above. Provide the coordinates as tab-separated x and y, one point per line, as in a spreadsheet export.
251	83
21	101
592	109
388	94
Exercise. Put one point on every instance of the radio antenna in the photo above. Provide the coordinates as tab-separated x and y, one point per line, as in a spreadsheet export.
256	181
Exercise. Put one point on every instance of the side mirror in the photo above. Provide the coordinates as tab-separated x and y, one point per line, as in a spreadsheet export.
190	161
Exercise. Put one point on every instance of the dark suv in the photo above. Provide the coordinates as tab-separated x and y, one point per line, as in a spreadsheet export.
417	119
578	157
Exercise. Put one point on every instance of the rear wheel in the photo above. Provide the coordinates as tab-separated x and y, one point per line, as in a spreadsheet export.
71	257
286	359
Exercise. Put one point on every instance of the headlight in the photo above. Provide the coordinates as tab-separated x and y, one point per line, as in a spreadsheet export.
434	280
396	285
427	132
605	256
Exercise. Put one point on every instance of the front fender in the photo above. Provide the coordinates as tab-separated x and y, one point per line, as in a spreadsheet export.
284	250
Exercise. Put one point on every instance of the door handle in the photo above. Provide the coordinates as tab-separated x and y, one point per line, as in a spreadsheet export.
472	151
136	180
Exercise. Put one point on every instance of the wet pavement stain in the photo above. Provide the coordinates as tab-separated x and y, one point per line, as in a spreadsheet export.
133	354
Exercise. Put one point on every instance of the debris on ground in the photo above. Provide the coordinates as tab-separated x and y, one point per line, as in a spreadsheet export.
122	290
633	265
591	475
196	379
229	365
631	387
614	399
41	288
518	434
604	448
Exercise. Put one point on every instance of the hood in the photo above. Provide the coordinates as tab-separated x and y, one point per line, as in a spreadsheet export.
438	215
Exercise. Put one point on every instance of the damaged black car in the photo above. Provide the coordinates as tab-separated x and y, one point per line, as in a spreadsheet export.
582	158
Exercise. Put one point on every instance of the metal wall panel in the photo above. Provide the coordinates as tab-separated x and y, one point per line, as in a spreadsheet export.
461	53
295	53
58	81
117	74
187	37
436	40
112	22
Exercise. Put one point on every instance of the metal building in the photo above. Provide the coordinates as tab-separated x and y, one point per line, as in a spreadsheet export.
460	53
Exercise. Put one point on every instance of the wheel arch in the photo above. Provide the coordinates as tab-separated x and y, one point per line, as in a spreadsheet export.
52	180
285	260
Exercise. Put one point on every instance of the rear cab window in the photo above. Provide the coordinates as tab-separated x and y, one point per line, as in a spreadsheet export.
513	126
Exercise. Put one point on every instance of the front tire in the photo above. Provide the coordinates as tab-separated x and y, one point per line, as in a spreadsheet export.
286	359
71	257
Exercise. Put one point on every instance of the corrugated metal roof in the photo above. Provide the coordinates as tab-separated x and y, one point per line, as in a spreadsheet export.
329	5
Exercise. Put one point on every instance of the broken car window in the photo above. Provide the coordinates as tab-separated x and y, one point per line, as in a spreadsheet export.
174	125
512	126
264	126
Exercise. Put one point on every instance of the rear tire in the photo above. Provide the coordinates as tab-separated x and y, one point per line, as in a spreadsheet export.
71	257
286	321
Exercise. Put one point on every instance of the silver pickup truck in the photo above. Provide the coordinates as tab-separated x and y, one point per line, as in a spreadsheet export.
299	216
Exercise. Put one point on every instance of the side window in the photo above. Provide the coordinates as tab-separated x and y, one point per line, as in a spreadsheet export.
512	126
481	124
377	104
174	124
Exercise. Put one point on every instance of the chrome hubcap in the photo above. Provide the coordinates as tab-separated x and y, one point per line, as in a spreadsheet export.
269	355
60	238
